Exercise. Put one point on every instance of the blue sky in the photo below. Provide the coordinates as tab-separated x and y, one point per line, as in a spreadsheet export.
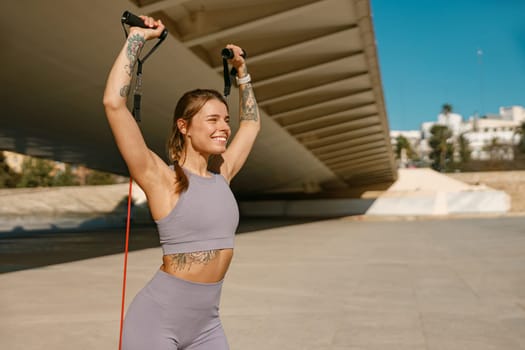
428	56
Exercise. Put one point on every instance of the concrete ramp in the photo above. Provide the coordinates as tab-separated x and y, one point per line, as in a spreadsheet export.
427	192
417	192
74	207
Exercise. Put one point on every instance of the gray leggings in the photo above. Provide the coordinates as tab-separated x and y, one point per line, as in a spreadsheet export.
171	313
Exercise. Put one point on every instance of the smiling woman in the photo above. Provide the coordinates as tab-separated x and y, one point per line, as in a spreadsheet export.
190	200
200	125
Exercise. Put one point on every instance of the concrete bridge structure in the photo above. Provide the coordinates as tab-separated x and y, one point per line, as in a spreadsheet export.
313	64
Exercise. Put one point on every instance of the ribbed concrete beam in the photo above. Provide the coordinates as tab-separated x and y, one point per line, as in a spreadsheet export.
356	147
363	137
368	164
312	90
350	113
317	106
295	47
362	156
354	124
367	176
304	71
161	5
265	21
361	163
314	142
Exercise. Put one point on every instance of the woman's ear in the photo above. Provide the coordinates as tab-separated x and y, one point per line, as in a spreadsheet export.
182	126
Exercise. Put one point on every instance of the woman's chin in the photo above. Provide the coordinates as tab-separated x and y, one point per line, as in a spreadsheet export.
218	150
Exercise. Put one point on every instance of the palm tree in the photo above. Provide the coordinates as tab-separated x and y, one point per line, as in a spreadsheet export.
446	109
442	148
464	149
403	143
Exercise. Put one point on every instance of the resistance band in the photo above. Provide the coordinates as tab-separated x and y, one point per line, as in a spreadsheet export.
133	21
126	248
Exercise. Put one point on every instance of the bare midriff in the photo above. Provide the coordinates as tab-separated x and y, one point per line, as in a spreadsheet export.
203	267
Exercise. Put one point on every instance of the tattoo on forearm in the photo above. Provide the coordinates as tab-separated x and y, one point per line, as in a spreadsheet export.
135	44
181	261
248	104
124	91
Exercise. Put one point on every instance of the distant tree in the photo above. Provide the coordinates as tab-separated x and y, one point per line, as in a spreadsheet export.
446	108
496	149
464	149
36	172
8	178
65	177
442	150
402	143
96	177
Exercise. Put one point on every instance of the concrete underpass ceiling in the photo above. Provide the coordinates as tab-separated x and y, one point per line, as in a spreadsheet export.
313	64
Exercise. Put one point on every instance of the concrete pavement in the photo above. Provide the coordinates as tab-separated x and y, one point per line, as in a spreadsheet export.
327	285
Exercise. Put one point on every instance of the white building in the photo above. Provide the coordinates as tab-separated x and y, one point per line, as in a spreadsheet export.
514	113
414	138
453	121
490	137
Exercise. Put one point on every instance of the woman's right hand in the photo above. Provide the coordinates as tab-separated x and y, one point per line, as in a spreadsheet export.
154	30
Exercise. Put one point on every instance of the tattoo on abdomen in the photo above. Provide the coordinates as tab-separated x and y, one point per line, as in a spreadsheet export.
135	44
181	261
248	105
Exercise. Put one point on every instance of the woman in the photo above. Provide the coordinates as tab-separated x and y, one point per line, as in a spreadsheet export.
195	211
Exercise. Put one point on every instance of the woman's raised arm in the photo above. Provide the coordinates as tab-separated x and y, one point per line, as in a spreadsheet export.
250	120
141	162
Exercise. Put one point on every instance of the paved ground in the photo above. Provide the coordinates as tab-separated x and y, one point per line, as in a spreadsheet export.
328	285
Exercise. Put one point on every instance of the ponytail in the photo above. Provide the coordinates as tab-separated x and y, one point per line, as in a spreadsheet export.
175	146
182	179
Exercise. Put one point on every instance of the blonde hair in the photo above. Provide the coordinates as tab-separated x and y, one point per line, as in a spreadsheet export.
188	105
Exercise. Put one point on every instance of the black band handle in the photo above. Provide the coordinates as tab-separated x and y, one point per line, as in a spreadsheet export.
135	21
228	53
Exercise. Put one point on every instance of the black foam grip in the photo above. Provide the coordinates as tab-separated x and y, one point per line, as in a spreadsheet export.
135	21
132	20
228	53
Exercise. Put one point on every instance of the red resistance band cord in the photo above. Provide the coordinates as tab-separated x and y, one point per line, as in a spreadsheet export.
125	263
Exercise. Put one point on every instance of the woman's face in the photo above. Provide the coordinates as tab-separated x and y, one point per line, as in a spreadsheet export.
209	129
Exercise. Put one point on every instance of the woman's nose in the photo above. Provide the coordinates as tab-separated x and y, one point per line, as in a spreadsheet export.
224	125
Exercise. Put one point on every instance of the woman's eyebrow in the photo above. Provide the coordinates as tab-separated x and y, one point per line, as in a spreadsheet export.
217	116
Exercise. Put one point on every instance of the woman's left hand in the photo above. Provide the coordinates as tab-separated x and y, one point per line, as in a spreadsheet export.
238	61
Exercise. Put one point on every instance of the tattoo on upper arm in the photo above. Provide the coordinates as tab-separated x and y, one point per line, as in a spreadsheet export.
124	91
135	45
181	261
248	104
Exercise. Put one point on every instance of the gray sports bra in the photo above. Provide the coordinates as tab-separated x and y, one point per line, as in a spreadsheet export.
204	218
